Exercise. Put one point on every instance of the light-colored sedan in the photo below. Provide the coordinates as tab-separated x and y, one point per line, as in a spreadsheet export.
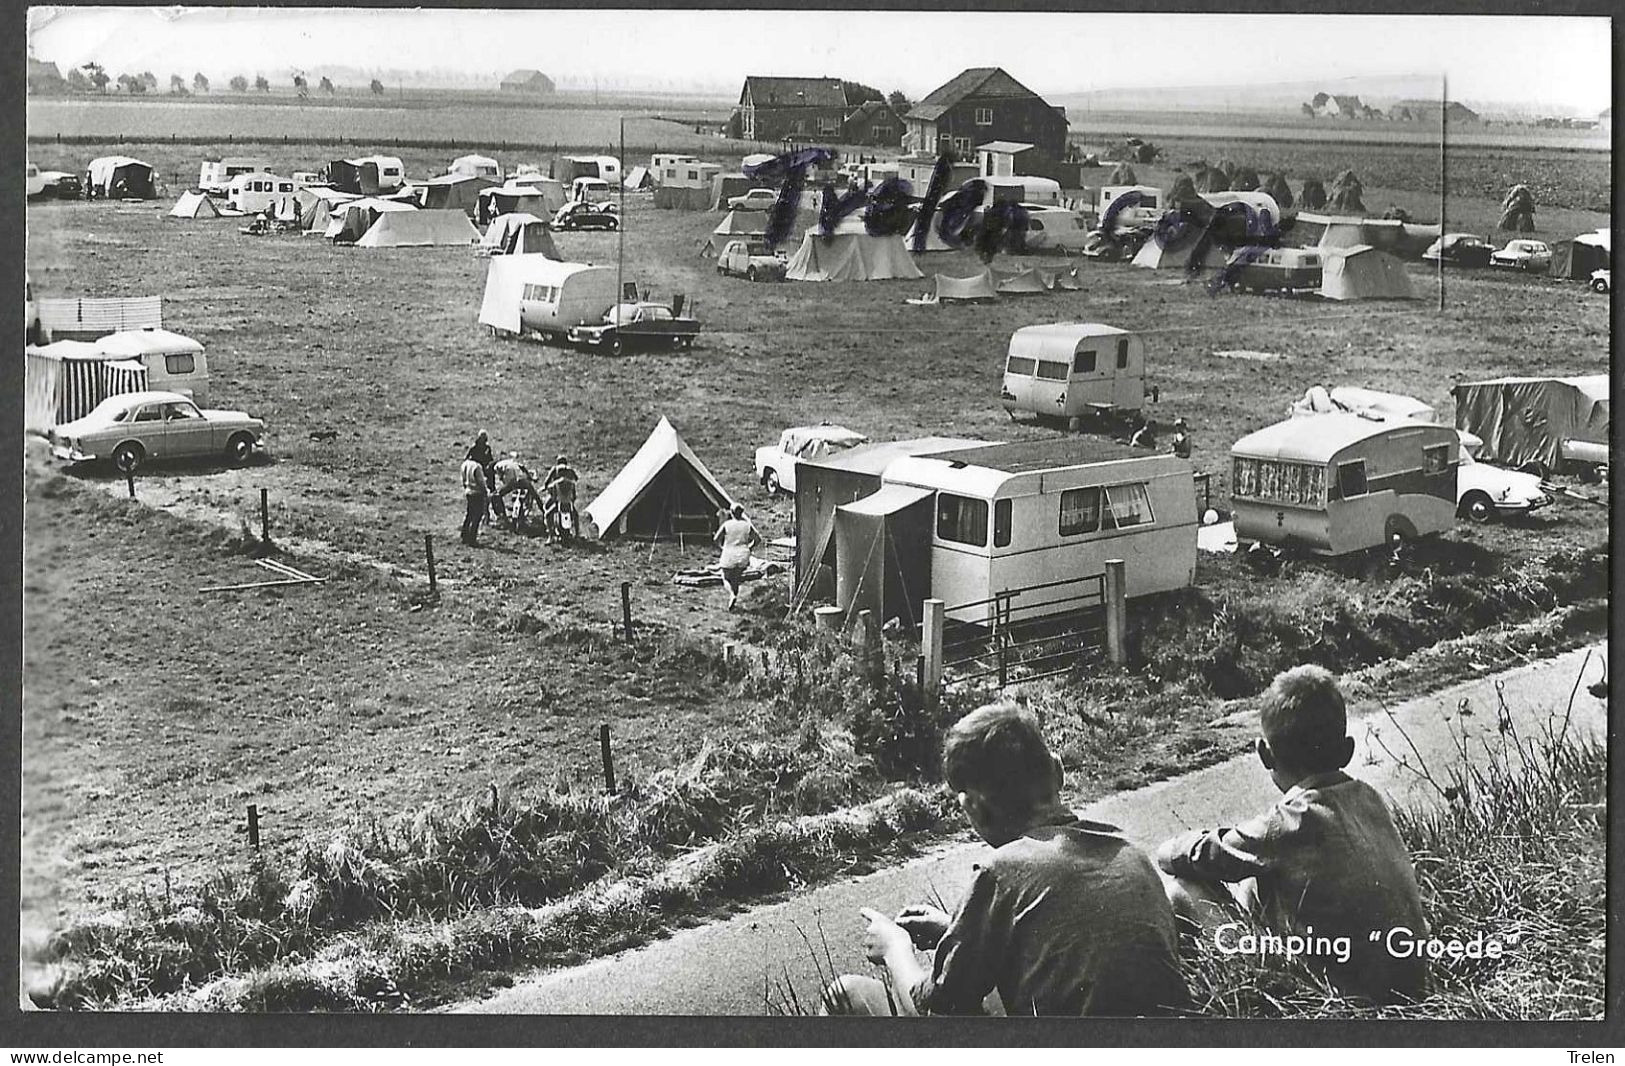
755	200
1484	491
1532	257
137	428
753	260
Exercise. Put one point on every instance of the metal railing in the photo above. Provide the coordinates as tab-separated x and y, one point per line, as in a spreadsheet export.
1018	643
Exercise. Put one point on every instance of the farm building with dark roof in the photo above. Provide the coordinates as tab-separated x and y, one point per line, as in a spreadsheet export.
527	81
984	104
874	122
772	109
1428	111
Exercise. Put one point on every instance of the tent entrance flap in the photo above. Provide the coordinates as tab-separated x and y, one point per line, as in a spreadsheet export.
883	553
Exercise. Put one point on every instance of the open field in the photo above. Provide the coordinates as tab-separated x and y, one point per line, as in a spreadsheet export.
341	702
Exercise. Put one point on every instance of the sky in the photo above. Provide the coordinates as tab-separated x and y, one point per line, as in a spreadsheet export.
1563	62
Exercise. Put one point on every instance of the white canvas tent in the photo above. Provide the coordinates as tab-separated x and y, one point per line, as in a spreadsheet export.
519	234
194	204
934	241
663	491
119	176
975	287
1154	256
639	178
1027	280
351	220
734	226
850	253
534	194
419	229
1363	273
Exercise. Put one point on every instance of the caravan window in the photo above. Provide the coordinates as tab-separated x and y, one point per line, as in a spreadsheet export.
961	519
547	294
1300	484
179	364
1435	459
1122	353
1001	523
1129	505
1051	371
1020	364
1083	362
1080	511
1351	479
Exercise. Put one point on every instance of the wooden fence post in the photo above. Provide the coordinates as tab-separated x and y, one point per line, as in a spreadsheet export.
609	761
428	552
626	611
265	517
931	647
253	826
129	479
1116	612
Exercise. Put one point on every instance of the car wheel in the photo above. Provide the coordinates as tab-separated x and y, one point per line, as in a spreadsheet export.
750	273
1598	285
240	449
616	345
770	482
127	457
677	342
614	225
1477	507
1398	529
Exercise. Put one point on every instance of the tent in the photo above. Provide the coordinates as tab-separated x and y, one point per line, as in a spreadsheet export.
419	229
639	179
1067	280
1027	280
1526	420
883	553
316	218
533	195
683	198
934	241
1579	257
194	204
519	234
724	186
460	192
63	381
663	491
1153	255
116	177
850	253
975	287
1363	273
734	225
351	220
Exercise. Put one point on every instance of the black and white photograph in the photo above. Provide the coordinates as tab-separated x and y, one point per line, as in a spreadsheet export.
784	514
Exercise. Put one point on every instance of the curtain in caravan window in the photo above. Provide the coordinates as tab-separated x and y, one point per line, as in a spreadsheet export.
1130	505
1080	511
962	519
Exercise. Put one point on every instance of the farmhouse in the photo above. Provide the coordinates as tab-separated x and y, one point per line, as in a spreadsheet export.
527	81
44	78
981	105
873	122
773	109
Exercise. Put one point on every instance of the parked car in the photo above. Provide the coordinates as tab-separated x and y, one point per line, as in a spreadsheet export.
776	463
753	260
136	428
1460	249
1484	492
1532	257
643	324
60	185
1602	280
755	200
33	183
579	215
1055	229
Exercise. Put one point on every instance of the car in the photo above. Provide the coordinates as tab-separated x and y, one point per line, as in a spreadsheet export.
60	185
133	429
755	200
1460	249
1602	280
643	324
1484	492
33	182
776	463
1055	229
753	260
1531	257
579	215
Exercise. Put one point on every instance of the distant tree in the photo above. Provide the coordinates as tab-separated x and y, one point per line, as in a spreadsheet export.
77	82
859	93
1308	109
133	84
899	103
149	79
326	85
200	84
377	87
98	77
177	86
260	84
239	84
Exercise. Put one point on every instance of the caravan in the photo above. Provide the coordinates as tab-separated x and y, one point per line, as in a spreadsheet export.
605	167
1070	369
531	293
215	175
591	190
254	192
174	363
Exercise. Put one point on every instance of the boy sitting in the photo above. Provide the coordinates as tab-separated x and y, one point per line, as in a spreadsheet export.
1066	918
1325	857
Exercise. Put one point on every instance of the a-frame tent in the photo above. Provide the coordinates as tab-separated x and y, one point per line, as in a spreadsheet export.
975	287
519	234
420	229
663	492
1154	255
1027	280
194	204
1363	273
735	225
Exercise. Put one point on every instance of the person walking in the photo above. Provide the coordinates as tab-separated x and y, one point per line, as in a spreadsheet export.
474	497
736	536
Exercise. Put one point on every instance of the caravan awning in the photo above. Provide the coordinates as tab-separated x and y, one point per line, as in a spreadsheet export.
888	499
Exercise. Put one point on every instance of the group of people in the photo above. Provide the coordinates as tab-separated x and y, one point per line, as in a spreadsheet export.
1145	436
1068	917
489	482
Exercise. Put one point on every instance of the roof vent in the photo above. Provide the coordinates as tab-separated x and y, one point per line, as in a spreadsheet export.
958	464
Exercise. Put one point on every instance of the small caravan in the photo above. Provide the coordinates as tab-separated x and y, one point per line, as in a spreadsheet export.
1070	369
174	363
214	175
571	167
530	293
1145	210
254	192
1013	517
591	190
477	166
1340	483
369	175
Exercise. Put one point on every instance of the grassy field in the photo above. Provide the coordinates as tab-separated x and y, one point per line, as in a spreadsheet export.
341	702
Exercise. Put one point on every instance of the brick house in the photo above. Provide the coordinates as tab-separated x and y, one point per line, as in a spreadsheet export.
776	109
981	105
874	123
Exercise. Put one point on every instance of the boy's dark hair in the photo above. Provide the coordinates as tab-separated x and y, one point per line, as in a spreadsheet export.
1303	719
998	751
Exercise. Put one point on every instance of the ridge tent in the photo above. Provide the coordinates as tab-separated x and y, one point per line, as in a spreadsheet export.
351	220
850	253
734	226
663	491
975	287
1153	255
316	218
1363	273
520	234
1530	420
452	192
307	196
419	229
639	179
883	553
1027	280
194	204
117	177
1576	259
533	195
724	186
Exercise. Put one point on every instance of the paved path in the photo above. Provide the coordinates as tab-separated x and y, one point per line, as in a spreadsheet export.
728	967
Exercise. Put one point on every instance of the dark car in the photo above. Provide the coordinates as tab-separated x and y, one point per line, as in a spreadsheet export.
582	215
58	185
1459	249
